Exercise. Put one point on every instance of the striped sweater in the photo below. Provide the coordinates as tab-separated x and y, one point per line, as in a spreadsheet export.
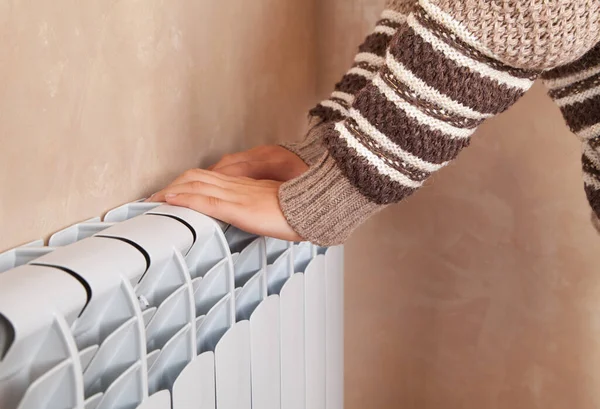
423	81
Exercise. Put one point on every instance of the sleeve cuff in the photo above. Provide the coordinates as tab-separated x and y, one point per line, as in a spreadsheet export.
311	148
322	206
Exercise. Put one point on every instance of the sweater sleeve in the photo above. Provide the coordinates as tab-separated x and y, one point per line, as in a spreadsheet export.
575	88
367	61
443	74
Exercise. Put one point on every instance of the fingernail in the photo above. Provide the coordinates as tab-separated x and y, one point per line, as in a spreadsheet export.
170	195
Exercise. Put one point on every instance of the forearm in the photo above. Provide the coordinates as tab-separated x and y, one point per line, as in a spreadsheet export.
438	82
576	90
367	61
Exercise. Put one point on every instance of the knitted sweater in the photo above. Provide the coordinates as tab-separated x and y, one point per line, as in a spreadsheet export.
422	82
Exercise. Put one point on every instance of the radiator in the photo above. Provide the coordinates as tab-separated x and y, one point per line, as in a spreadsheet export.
156	307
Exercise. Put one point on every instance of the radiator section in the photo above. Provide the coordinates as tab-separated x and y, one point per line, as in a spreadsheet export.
157	307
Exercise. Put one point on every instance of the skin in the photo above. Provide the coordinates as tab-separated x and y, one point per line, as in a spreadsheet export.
241	189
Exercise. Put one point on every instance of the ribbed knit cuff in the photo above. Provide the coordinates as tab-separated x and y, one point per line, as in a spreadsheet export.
322	206
311	148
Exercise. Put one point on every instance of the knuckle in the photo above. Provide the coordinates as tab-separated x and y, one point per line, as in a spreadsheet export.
189	173
197	185
182	198
214	202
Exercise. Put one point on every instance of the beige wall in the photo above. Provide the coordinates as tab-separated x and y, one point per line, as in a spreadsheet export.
479	292
103	101
483	290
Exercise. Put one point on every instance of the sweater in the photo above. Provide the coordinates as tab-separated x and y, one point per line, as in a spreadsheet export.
422	82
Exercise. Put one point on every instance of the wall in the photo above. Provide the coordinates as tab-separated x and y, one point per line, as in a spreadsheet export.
102	102
481	291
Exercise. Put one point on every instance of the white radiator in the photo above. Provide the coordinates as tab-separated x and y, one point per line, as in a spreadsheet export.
160	307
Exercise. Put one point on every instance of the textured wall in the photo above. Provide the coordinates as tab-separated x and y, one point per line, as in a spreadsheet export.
103	101
482	290
479	292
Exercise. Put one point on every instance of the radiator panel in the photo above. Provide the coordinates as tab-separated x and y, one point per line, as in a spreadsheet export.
156	306
315	333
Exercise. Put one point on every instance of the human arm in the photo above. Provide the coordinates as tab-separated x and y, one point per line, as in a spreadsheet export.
446	71
575	88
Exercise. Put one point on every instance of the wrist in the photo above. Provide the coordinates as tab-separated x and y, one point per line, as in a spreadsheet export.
322	206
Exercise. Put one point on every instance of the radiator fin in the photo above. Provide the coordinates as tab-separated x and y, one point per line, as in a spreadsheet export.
156	307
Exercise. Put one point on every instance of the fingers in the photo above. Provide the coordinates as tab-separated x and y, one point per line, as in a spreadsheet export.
263	170
228	160
203	179
186	177
245	168
254	209
190	175
201	175
198	188
253	170
254	216
208	205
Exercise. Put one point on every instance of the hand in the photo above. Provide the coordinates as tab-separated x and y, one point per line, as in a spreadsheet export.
248	204
270	162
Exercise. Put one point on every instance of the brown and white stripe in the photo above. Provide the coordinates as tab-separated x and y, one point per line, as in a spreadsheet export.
450	48
368	60
420	110
576	90
579	70
590	160
406	112
579	102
